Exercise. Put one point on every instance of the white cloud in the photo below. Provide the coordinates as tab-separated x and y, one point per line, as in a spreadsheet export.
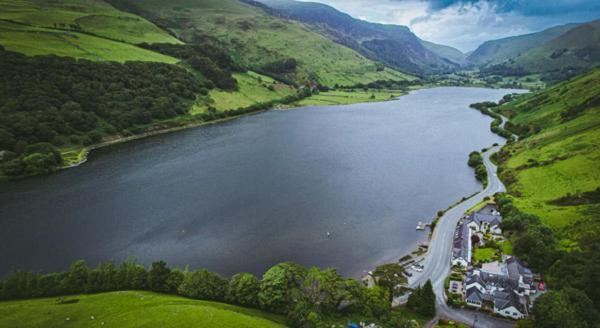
463	25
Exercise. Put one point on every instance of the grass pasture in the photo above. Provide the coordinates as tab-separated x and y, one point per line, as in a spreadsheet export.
562	158
131	309
253	88
93	16
34	41
343	97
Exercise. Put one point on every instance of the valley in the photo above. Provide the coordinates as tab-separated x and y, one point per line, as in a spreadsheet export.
278	154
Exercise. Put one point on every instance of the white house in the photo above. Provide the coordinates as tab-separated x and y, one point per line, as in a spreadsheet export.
487	219
504	285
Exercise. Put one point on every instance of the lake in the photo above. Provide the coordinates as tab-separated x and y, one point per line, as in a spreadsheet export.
252	192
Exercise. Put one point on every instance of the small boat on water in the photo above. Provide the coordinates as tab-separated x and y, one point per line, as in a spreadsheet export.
421	226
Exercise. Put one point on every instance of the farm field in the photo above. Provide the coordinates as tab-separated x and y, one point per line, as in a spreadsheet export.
131	309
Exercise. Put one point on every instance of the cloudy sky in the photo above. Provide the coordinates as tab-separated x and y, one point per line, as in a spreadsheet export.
465	24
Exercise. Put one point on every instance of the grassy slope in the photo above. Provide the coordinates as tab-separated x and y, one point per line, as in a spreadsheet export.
569	153
585	36
33	41
94	16
257	38
497	51
342	97
131	309
253	88
33	28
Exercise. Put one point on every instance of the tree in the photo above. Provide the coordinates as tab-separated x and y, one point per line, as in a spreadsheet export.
243	289
374	301
203	284
280	287
76	280
389	276
324	290
157	277
422	300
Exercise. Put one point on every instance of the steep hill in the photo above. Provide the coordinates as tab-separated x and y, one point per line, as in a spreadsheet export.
575	50
131	309
446	52
497	51
553	170
392	44
262	42
91	30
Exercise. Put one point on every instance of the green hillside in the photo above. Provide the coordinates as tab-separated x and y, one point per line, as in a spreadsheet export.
34	41
444	51
552	170
263	42
89	29
253	88
90	16
131	309
578	48
497	51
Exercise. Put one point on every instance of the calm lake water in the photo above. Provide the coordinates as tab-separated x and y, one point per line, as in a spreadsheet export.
252	192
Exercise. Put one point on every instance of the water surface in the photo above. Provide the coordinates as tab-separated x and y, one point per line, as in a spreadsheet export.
252	192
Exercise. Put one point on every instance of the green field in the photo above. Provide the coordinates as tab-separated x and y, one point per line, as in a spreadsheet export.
93	16
484	254
342	97
253	88
91	30
43	41
256	38
131	309
562	158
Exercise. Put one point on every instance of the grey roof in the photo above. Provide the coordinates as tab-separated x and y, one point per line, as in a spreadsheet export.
461	241
486	214
516	269
484	217
486	279
475	278
474	295
503	300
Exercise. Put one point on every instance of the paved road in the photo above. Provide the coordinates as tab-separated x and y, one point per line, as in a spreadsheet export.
437	260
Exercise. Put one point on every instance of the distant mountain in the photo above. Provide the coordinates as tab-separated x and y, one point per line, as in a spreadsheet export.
570	53
497	51
393	45
446	52
576	49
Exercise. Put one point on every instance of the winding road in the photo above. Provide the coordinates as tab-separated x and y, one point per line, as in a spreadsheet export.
439	255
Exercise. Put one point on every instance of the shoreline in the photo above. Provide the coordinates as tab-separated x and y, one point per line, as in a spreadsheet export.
85	151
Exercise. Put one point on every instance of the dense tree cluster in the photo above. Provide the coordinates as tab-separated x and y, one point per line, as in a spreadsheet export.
281	67
61	101
422	300
476	162
309	298
573	276
503	70
386	84
211	61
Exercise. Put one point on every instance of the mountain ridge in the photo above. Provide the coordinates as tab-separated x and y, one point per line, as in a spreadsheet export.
394	45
